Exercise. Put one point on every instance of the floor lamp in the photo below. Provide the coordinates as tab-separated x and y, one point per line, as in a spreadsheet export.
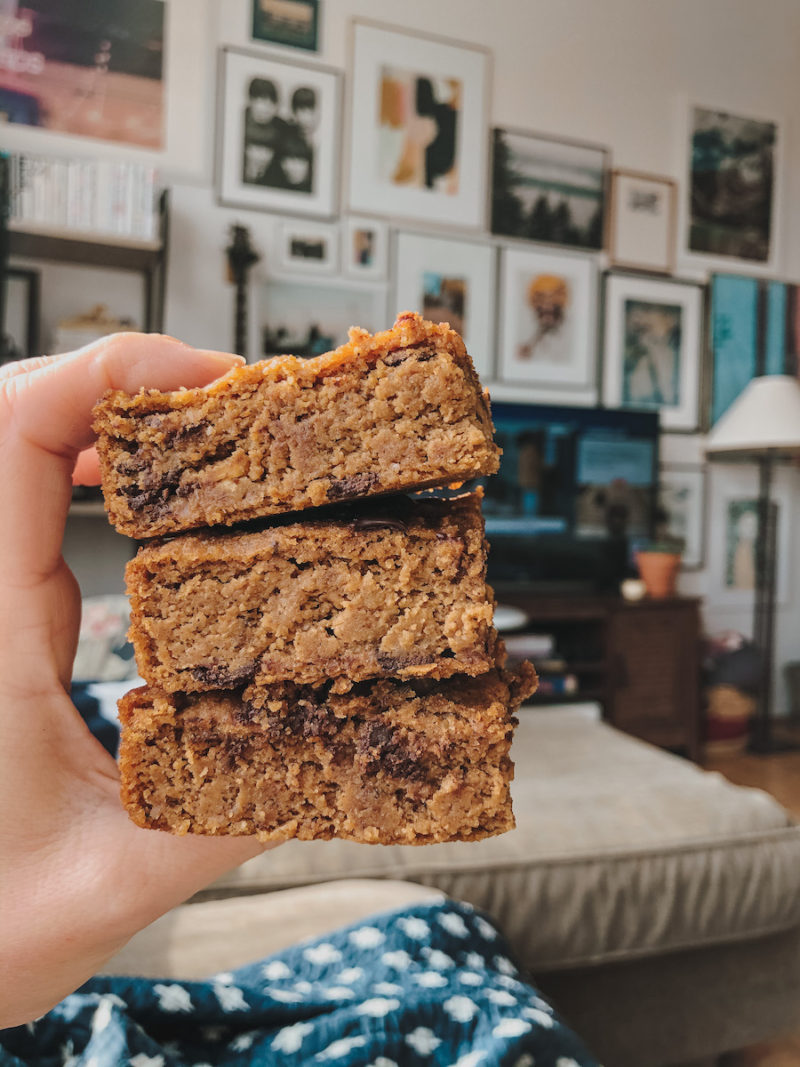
762	426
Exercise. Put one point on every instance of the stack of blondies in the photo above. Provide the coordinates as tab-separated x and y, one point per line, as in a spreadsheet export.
319	649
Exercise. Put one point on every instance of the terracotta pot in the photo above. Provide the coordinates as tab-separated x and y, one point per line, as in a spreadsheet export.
659	572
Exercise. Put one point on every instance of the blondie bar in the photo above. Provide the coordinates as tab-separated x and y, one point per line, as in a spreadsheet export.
399	410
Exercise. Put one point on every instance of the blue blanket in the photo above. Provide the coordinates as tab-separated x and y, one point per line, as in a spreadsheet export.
431	984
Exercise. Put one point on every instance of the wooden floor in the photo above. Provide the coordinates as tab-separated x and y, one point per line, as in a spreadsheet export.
780	776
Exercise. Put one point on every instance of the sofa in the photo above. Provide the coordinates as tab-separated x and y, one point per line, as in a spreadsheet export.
657	905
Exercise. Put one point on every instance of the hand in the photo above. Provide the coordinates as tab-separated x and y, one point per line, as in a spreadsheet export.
77	877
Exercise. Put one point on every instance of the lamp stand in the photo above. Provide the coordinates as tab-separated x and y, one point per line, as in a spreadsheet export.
762	741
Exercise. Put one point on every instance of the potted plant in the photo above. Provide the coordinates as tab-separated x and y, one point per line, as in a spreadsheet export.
658	563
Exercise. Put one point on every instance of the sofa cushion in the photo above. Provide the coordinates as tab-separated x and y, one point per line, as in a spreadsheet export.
620	851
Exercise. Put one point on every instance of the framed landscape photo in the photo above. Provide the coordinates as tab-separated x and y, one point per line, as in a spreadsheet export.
308	247
731	197
548	320
682	510
450	280
419	112
290	23
652	347
366	250
642	223
549	190
278	135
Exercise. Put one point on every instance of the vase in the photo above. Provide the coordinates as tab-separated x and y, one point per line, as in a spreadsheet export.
659	572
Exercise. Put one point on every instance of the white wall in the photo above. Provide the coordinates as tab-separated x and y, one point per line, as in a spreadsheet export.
615	72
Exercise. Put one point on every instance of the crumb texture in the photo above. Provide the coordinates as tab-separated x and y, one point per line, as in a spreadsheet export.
401	592
382	414
385	762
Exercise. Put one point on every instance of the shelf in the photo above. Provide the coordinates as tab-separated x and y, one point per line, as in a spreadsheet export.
85	509
567	698
77	246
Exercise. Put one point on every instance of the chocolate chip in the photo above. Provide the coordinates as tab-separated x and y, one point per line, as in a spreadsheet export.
389	662
354	485
214	674
376	523
382	749
308	720
422	352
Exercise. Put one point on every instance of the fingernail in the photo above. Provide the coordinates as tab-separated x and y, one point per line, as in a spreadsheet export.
226	358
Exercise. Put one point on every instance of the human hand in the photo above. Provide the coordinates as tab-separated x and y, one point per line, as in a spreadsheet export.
77	877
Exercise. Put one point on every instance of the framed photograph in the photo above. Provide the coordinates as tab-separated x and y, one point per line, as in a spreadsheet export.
548	321
642	223
306	317
755	329
366	251
730	200
448	280
652	347
419	105
278	135
682	510
21	338
546	189
291	23
733	531
308	247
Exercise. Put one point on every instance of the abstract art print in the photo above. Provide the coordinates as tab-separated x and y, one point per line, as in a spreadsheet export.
548	190
731	186
291	23
548	321
419	108
450	280
278	135
652	346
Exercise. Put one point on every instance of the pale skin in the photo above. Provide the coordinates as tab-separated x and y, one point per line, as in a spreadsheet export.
77	877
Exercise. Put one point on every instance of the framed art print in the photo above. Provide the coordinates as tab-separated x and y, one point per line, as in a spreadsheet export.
289	23
278	135
549	190
682	507
731	197
652	347
548	320
21	338
366	250
308	247
642	225
449	280
419	107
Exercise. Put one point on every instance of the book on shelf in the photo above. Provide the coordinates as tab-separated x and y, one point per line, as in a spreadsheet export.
530	646
111	198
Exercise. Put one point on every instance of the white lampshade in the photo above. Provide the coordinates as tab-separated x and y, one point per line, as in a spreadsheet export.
764	418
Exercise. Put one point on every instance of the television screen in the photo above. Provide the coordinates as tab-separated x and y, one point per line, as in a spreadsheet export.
575	491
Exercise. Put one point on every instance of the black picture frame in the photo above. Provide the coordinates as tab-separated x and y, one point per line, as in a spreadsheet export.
509	216
272	28
13	347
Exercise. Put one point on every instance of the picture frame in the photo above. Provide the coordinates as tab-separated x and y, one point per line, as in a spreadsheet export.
548	189
287	23
642	221
278	135
729	158
652	347
21	326
365	253
754	328
682	502
420	106
548	324
308	247
450	280
733	520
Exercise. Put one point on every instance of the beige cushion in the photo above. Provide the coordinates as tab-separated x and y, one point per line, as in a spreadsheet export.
198	940
620	851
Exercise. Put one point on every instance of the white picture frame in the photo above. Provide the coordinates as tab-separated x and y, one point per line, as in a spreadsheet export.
393	169
308	247
365	248
682	498
431	272
642	221
548	325
735	484
694	258
652	346
260	163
